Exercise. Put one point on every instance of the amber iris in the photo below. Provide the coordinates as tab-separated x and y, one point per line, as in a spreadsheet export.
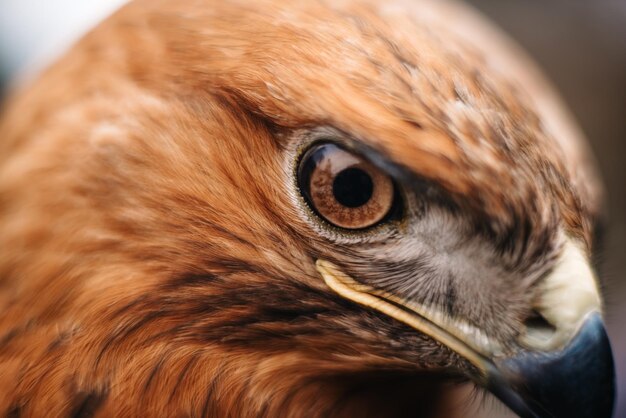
344	188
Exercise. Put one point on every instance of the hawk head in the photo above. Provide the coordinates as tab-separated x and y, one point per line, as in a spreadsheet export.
296	208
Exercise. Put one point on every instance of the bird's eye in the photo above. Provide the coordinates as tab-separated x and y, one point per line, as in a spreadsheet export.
343	188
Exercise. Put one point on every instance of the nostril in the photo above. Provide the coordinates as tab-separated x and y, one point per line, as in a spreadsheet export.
536	321
539	331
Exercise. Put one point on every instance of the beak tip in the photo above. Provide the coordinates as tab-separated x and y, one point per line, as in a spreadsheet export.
577	381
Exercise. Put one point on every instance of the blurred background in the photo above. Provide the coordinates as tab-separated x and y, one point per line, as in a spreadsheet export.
581	45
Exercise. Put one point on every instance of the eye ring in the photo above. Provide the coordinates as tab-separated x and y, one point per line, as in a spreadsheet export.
345	189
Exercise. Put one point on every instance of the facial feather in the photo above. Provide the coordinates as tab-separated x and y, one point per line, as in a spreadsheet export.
158	266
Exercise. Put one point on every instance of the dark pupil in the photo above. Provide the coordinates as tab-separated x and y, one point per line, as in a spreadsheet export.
353	187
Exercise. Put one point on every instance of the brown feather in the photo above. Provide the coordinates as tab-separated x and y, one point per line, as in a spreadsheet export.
151	261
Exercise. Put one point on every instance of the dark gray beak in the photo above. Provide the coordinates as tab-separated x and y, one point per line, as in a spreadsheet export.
578	381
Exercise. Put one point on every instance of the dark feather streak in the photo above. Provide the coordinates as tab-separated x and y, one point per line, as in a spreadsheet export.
86	404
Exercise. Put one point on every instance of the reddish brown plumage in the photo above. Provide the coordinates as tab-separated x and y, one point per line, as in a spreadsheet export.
151	259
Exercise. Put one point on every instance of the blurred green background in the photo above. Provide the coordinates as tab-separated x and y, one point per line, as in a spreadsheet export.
581	45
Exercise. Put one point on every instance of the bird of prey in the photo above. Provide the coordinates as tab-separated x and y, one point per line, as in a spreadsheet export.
296	208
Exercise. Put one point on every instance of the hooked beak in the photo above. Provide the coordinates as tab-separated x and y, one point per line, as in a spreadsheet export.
577	381
565	370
